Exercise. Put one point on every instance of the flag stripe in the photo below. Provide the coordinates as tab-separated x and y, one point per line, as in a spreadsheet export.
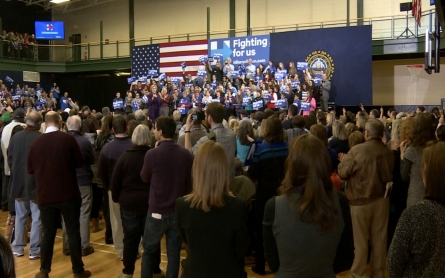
197	53
179	59
197	47
170	44
175	64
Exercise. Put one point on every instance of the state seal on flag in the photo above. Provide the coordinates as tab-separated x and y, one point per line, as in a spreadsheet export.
319	61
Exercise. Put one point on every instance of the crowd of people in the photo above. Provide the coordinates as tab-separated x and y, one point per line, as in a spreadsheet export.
18	46
307	192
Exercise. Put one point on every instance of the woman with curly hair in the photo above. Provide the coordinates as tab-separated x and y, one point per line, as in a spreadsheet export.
411	156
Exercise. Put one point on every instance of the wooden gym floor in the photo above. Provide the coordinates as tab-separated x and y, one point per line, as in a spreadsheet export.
103	263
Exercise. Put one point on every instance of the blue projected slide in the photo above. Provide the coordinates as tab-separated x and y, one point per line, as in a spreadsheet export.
50	30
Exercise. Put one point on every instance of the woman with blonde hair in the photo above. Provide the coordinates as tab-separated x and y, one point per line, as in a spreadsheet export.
211	221
350	128
306	216
330	119
339	140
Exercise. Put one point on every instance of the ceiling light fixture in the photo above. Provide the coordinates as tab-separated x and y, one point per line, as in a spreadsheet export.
59	1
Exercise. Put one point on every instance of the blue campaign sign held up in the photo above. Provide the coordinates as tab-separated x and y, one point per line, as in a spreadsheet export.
240	49
301	65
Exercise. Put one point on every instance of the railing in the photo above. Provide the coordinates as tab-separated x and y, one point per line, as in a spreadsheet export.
387	27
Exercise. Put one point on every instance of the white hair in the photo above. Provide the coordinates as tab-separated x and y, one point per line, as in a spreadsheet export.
74	123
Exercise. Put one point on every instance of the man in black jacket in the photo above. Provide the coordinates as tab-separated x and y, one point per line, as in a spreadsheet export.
84	176
23	188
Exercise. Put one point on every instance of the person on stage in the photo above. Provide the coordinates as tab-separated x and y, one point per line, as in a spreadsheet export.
154	103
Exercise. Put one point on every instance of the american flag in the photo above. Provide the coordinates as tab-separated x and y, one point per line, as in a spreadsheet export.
168	57
417	10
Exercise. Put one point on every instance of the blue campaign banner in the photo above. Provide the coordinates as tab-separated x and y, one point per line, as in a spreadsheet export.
281	103
143	79
182	110
183	65
152	73
131	79
267	96
217	56
305	106
175	79
162	76
240	49
203	59
247	101
301	65
49	30
234	74
202	73
294	84
9	79
118	104
278	76
258	104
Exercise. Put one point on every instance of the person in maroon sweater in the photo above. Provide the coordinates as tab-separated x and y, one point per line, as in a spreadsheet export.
57	191
169	179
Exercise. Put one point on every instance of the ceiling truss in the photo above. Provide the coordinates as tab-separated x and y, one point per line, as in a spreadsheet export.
65	7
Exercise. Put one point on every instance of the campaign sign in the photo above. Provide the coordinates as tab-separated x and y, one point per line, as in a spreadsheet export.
258	104
246	101
183	65
294	84
281	103
301	65
202	73
305	106
143	79
117	104
16	97
317	81
282	71
131	79
162	76
203	59
9	79
278	76
240	49
216	100
267	96
182	110
234	74
175	79
217	56
188	85
135	105
152	73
